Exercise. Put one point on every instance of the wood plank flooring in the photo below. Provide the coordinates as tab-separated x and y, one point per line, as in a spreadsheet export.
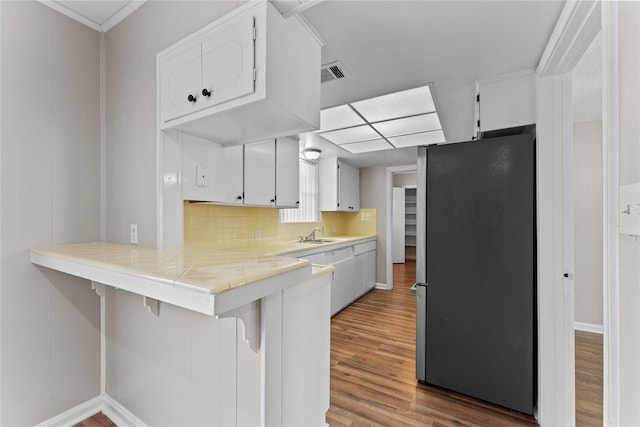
373	371
589	378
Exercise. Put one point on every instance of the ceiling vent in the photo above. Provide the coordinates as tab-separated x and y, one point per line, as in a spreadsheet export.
332	71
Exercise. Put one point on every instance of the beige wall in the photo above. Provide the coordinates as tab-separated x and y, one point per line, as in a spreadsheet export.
49	121
629	143
587	187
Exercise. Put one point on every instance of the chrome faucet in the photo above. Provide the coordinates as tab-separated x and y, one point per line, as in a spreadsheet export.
312	236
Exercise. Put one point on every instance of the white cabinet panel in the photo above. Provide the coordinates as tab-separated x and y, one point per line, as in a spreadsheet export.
287	173
260	173
507	101
233	171
227	62
348	187
179	79
339	186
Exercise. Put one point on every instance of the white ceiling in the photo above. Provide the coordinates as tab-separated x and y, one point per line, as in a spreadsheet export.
388	46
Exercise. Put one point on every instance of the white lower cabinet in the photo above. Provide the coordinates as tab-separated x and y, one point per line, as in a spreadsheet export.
355	271
296	344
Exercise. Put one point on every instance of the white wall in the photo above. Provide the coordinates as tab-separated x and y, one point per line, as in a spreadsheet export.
587	181
171	369
629	140
50	324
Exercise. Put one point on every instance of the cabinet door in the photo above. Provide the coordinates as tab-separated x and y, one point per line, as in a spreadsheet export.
228	62
180	77
348	188
370	269
233	167
287	173
260	173
343	285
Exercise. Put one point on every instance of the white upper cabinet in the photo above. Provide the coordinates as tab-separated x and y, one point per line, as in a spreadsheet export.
287	173
210	71
260	173
348	187
271	173
240	78
506	101
233	175
339	186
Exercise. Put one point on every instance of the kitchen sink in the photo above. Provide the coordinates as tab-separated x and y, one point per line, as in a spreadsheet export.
318	241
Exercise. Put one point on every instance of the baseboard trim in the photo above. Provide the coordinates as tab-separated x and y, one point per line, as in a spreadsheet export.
76	414
588	327
383	286
115	411
119	414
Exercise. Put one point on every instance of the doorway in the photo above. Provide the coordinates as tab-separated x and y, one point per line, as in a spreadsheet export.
588	206
401	234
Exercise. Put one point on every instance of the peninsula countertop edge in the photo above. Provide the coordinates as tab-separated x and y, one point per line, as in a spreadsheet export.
208	281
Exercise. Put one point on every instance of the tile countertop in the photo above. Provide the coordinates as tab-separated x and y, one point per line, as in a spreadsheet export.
208	281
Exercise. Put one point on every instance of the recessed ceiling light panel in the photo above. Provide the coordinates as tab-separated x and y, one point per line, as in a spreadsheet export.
400	104
408	125
367	146
424	138
339	117
354	134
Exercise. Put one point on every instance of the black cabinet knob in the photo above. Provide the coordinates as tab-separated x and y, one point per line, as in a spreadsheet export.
205	92
239	197
273	200
191	98
297	203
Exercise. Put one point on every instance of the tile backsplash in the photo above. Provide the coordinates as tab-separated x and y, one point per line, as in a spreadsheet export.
235	227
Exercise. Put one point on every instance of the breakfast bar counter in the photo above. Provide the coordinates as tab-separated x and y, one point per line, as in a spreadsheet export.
282	307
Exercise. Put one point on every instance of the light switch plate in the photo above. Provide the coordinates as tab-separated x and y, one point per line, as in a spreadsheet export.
630	209
202	176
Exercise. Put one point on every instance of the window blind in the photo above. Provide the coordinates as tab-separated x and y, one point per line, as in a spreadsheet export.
308	209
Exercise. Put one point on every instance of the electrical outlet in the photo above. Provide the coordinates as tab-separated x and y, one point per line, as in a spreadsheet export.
134	234
256	234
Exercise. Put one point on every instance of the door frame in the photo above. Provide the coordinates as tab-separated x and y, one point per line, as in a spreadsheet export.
577	26
388	225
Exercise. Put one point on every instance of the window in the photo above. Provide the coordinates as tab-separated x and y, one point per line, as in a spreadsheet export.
308	208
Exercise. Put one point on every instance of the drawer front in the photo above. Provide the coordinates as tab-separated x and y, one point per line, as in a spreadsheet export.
316	258
337	255
364	247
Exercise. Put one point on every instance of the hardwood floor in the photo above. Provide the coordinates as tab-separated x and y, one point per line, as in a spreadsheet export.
373	371
98	420
589	377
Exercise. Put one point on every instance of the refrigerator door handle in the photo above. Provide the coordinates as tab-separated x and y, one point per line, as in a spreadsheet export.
421	331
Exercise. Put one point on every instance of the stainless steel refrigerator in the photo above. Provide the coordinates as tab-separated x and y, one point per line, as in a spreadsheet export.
476	269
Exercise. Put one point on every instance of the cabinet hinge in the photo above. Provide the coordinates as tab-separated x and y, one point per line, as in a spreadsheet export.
255	32
255	73
478	98
478	123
